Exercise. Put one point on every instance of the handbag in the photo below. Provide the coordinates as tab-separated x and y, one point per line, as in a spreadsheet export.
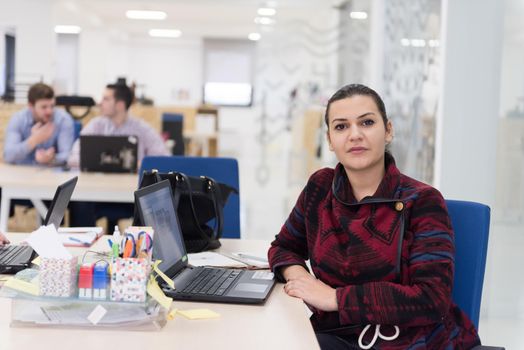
199	202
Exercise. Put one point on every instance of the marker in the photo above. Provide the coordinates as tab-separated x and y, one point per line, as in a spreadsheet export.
74	239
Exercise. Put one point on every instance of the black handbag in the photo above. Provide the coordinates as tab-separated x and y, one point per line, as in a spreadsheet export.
198	200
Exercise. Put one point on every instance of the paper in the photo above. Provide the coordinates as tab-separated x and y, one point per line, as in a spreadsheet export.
78	239
213	259
198	314
47	243
252	259
96	315
156	293
96	229
23	286
162	275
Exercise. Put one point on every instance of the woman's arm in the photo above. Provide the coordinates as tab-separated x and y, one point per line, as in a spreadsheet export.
430	268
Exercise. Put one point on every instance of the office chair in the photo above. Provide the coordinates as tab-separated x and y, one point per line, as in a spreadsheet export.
77	129
470	223
224	170
173	125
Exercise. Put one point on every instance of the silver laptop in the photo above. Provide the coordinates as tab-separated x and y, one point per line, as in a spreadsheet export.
14	258
157	208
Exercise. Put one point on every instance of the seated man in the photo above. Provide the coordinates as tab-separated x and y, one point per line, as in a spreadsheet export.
114	121
39	134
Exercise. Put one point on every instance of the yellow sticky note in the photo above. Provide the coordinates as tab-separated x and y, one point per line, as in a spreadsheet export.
171	315
198	314
166	279
36	261
23	286
156	293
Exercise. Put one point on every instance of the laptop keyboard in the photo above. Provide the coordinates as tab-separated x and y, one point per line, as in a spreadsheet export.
212	281
9	253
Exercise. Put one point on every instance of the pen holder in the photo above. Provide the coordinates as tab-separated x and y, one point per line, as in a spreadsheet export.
57	277
129	279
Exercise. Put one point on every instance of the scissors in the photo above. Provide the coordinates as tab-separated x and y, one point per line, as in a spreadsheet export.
128	246
144	243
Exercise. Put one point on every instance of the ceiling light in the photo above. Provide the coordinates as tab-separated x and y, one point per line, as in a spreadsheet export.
433	43
405	42
264	20
67	29
418	42
151	15
358	15
254	36
165	33
266	11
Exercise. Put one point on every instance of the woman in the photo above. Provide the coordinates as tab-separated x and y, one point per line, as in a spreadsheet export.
380	243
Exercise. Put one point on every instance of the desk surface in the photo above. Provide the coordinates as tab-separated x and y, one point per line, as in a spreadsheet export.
281	323
39	183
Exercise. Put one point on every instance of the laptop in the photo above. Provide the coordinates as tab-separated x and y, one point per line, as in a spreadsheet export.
108	154
13	257
157	208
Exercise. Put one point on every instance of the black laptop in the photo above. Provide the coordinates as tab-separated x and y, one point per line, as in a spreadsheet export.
157	208
14	258
108	154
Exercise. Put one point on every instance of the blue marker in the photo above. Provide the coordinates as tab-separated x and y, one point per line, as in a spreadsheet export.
74	239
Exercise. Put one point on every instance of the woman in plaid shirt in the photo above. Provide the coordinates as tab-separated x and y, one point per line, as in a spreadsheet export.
380	243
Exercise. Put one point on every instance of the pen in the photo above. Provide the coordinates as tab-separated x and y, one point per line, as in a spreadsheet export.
252	257
110	243
78	241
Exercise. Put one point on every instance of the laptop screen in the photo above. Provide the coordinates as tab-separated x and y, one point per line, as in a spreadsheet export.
157	209
56	211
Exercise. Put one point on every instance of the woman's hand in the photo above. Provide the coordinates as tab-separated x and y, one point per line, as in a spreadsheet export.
313	292
3	239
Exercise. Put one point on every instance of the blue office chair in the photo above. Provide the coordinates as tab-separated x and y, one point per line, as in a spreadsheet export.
470	223
77	129
223	170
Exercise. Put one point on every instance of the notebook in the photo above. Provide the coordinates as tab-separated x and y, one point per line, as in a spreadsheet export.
14	258
108	154
156	208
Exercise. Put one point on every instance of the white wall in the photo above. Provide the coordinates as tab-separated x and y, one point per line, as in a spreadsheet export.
467	119
512	77
35	40
160	67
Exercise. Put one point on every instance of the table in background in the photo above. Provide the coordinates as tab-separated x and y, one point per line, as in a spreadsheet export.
281	323
40	183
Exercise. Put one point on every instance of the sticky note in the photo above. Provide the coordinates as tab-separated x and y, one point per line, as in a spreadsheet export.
166	279
171	315
156	293
36	261
198	314
96	315
23	286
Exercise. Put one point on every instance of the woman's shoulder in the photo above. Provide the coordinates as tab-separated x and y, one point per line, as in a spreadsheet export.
322	176
412	188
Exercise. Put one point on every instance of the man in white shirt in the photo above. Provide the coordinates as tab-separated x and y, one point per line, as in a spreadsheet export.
116	121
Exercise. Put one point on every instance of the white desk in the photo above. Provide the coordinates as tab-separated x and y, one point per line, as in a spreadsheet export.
39	183
281	323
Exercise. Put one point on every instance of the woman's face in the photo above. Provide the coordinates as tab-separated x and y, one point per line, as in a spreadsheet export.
357	133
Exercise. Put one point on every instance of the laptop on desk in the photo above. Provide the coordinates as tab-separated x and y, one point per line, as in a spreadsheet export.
108	154
14	258
156	208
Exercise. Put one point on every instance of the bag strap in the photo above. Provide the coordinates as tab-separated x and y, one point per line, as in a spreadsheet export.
212	187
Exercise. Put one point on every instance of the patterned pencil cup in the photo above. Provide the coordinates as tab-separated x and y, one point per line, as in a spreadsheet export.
129	279
57	277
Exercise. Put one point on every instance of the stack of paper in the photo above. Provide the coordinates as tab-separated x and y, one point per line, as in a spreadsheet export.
79	236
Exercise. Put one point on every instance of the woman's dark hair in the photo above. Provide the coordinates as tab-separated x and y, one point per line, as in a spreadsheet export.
353	90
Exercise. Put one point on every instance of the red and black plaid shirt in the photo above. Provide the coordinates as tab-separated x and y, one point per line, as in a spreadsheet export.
389	256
